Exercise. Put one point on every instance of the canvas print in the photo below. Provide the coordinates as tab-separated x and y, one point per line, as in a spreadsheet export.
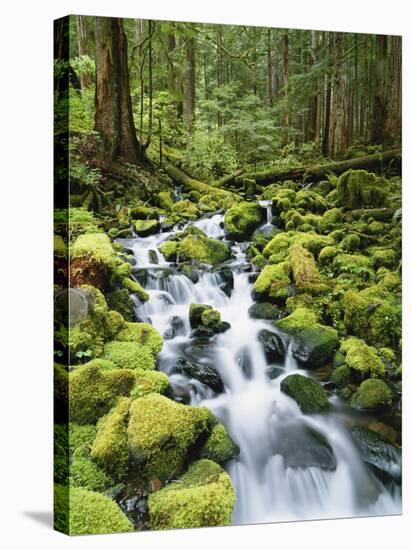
227	259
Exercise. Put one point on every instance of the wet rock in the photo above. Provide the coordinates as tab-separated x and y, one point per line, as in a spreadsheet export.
314	346
378	453
264	310
223	327
136	508
228	280
153	257
302	447
272	345
308	394
203	373
202	332
372	394
195	314
190	272
177	324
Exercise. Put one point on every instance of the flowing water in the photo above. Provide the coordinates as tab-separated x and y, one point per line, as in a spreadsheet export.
291	465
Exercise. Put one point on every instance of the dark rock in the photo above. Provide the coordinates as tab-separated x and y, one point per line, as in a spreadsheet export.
202	332
228	280
308	394
177	324
190	272
195	314
314	346
272	345
384	458
203	373
223	327
264	310
153	257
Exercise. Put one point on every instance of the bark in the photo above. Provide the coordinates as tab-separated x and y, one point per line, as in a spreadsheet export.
228	179
190	83
338	127
318	172
393	124
81	27
113	116
285	54
380	96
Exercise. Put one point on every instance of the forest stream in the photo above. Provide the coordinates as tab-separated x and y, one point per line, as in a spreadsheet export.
291	465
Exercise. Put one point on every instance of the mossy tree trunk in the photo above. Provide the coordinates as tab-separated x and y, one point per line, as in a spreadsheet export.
114	117
81	26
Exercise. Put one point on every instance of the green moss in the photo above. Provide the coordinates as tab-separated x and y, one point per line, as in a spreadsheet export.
120	301
59	247
300	319
146	227
169	249
161	433
351	243
165	200
314	346
85	473
310	200
372	394
305	273
242	219
341	376
295	220
203	249
195	313
279	243
186	210
150	382
384	257
376	228
97	245
134	287
362	358
80	436
110	448
60	392
202	497
361	189
142	333
61	508
273	282
92	513
329	220
327	254
211	318
308	394
353	264
311	241
94	391
219	446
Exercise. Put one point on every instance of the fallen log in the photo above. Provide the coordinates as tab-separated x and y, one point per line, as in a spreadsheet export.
178	175
377	161
228	179
381	214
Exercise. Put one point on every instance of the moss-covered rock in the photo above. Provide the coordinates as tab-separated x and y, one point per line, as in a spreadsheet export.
273	282
121	301
165	200
59	247
110	449
219	446
186	210
146	227
242	219
372	394
308	394
161	433
134	287
129	355
90	513
80	436
86	474
351	242
152	381
355	265
93	391
203	249
361	189
310	200
330	219
142	333
195	313
202	497
211	318
169	249
264	310
315	346
298	320
361	358
327	255
305	273
341	376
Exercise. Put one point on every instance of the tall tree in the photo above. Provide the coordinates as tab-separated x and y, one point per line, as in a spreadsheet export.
190	96
81	26
285	55
338	125
113	116
392	126
379	95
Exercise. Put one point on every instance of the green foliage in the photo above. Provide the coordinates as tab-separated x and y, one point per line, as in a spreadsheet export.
202	497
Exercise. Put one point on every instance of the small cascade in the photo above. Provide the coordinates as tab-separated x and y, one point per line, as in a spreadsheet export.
268	205
212	227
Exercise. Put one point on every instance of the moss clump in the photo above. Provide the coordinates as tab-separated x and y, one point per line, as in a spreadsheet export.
186	210
310	200
203	497
150	382
341	376
362	358
110	448
92	513
142	333
384	257
361	189
315	346
277	246
161	433
59	247
242	219
308	394
376	228
273	282
129	355
97	245
329	220
169	249
300	319
80	436
372	394
353	264
219	446
327	255
121	301
295	220
165	200
85	473
146	227
351	243
203	249
133	287
195	313
93	391
211	318
305	273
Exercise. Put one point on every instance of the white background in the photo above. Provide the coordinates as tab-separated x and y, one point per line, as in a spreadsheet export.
26	269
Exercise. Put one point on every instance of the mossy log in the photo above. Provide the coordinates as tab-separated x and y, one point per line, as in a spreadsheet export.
228	178
178	175
318	172
383	214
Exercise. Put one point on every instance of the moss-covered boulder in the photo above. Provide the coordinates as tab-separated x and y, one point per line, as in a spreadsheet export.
203	249
195	313
315	346
87	474
341	376
151	381
298	320
330	219
242	219
211	318
308	394
273	283
203	497
94	391
143	334
129	355
264	310
162	432
110	449
361	189
80	436
90	513
146	227
219	446
372	394
362	359
169	249
305	273
121	301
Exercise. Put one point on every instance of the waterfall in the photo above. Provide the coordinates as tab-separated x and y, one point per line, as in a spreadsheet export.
268	205
291	465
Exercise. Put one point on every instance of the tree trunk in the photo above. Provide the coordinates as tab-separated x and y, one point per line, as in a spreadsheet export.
285	54
393	125
113	116
81	27
190	83
379	99
338	129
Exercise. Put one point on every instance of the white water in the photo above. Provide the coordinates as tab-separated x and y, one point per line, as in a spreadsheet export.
268	205
273	481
